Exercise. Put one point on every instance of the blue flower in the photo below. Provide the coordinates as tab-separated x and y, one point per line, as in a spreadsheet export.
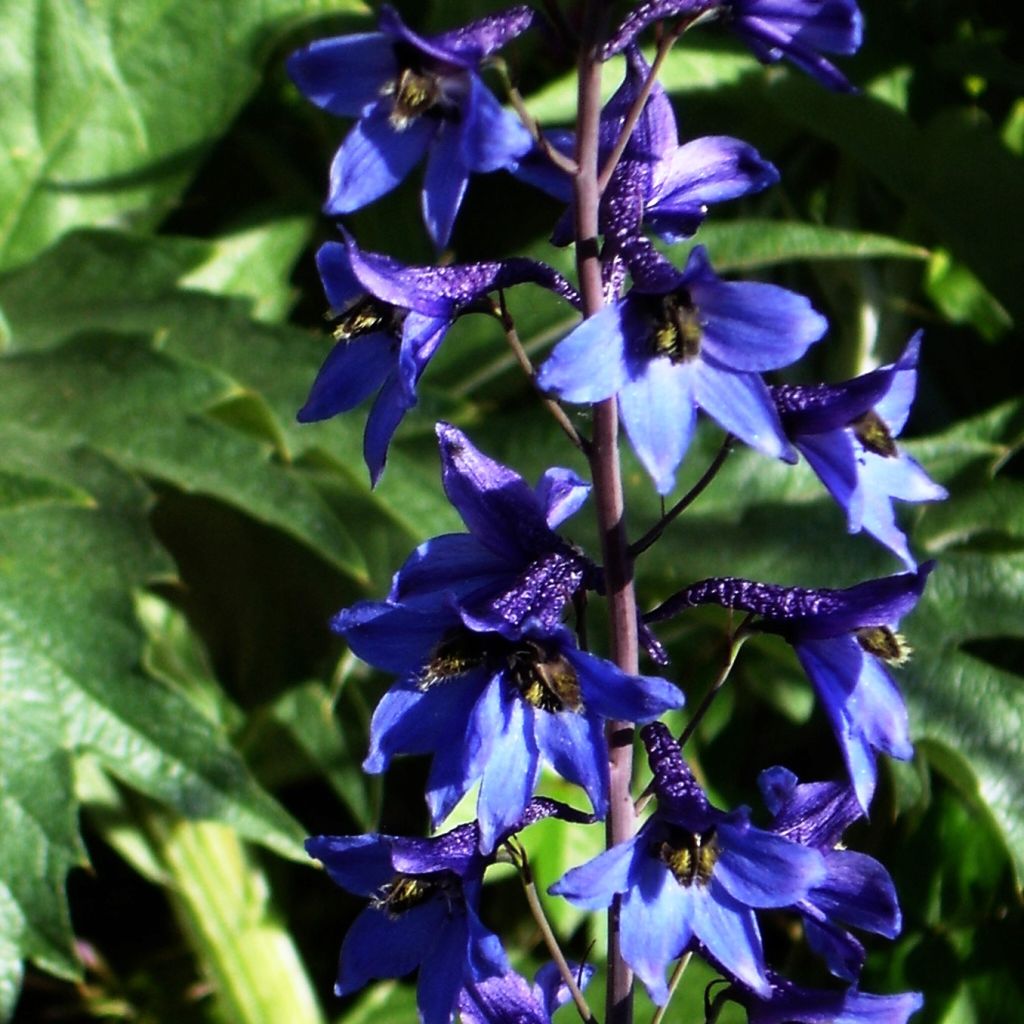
510	999
856	891
846	432
389	320
693	873
799	30
491	683
424	897
659	183
413	96
843	639
679	341
791	1004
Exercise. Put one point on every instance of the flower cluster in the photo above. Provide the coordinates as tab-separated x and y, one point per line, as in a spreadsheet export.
484	631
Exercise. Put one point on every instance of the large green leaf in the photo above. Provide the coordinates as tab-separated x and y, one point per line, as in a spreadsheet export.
70	683
108	107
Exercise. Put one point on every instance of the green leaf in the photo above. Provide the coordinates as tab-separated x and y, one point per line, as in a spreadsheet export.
109	108
69	683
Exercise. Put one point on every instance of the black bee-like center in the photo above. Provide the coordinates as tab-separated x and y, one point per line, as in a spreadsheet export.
690	856
404	892
677	331
871	430
364	316
459	651
545	680
884	643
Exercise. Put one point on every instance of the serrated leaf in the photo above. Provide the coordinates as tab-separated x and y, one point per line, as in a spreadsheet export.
110	107
69	683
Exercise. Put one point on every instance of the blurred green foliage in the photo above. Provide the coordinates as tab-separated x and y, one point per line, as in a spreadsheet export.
175	712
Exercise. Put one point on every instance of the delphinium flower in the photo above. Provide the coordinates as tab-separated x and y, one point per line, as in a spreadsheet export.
413	95
658	183
693	874
490	683
680	340
856	891
844	639
424	898
798	30
847	433
388	321
792	1004
510	999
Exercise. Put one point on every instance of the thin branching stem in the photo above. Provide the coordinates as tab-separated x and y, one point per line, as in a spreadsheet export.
522	863
673	984
641	545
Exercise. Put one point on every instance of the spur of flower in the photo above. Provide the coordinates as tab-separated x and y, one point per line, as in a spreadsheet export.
843	639
847	433
491	684
693	874
679	341
424	897
798	30
510	999
856	891
414	96
388	321
657	183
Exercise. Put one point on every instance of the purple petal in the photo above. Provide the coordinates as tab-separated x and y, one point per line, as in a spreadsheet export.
455	563
444	183
894	406
859	892
344	74
644	14
388	636
480	38
740	402
373	159
388	410
454	851
659	414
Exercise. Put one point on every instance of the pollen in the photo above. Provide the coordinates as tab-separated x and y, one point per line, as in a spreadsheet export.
872	432
884	643
403	893
546	681
690	856
677	330
414	93
458	652
364	316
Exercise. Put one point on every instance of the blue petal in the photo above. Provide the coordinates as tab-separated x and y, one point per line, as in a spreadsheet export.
359	864
352	370
656	925
392	637
765	870
740	402
574	745
594	884
441	973
456	563
894	406
346	73
859	892
843	954
833	457
509	776
749	325
616	695
730	932
374	158
444	183
486	955
589	364
561	493
387	412
340	283
492	138
659	414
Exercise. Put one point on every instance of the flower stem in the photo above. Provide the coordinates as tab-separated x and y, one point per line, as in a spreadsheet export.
673	984
604	462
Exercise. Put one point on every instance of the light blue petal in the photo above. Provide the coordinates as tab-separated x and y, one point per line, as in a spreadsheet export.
742	404
575	747
561	492
765	870
659	415
730	932
894	406
833	457
594	884
444	183
373	159
589	364
615	695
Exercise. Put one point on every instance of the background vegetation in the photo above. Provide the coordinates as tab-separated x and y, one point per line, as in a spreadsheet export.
175	715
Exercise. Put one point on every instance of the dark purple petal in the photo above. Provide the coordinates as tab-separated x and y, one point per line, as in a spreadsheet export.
813	814
359	864
858	891
644	14
834	458
455	563
680	797
503	1000
480	38
790	1004
352	371
395	638
844	955
454	851
444	183
818	408
552	990
652	273
344	74
374	158
387	412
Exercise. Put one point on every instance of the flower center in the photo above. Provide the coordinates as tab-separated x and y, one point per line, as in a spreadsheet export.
884	643
546	680
690	856
871	431
414	92
404	892
459	651
677	330
365	315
